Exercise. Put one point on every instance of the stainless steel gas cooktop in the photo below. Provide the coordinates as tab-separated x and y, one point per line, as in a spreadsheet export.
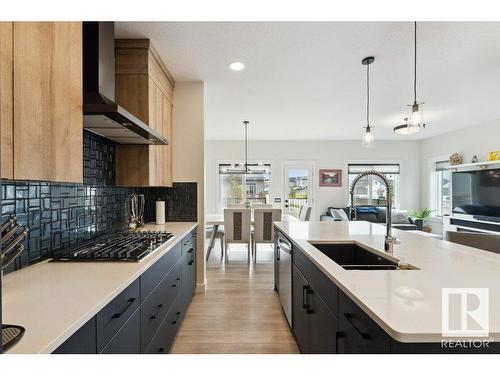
123	246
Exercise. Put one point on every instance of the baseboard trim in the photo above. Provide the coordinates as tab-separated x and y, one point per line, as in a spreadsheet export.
201	287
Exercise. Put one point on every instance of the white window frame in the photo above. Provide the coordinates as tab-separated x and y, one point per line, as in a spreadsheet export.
218	189
436	188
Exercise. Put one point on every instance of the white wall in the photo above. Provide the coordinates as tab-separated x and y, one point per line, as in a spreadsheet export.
474	140
321	154
188	153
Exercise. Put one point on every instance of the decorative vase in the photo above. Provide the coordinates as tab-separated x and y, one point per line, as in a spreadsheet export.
455	159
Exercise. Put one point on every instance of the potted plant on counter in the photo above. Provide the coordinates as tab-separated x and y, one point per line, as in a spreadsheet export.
422	216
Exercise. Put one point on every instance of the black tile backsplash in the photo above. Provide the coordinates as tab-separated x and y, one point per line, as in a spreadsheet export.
59	215
180	201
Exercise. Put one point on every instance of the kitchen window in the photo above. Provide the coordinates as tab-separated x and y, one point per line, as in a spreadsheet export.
442	182
370	190
236	187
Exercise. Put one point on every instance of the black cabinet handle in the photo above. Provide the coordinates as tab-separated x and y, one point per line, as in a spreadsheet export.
190	262
350	319
152	317
178	313
190	250
161	350
306	291
177	279
309	305
304	297
130	302
160	305
174	285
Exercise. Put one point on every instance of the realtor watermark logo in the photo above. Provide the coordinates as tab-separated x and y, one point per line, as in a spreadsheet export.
465	317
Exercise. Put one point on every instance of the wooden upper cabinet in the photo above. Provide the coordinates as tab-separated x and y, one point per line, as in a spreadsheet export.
144	87
6	100
47	118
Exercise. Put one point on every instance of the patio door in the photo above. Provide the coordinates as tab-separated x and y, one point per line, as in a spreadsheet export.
298	187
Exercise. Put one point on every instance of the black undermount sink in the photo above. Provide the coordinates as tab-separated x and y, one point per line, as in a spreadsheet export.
351	256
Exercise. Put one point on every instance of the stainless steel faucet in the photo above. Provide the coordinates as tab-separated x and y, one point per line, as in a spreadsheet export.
389	239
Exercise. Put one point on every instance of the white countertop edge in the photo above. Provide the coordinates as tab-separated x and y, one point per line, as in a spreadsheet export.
148	262
317	257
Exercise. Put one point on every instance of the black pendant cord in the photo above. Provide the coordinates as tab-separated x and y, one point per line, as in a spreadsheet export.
246	145
415	66
368	96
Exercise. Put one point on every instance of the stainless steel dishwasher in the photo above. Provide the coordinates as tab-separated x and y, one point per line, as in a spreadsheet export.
284	259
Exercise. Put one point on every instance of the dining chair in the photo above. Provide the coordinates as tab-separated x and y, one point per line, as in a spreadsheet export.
218	235
483	241
305	212
263	231
237	223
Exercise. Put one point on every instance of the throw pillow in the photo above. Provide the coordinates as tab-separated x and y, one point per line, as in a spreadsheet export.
400	217
340	215
366	210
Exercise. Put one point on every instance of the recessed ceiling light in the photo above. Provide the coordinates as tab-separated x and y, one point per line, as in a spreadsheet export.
237	66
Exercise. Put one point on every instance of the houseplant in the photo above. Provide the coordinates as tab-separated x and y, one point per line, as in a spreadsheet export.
422	215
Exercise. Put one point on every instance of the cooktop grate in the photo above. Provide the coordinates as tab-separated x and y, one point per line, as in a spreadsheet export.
10	335
123	246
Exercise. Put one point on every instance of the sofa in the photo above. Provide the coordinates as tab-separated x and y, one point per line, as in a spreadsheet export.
401	220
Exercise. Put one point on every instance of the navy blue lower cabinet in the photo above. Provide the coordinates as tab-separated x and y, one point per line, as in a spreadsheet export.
358	333
82	341
322	325
157	305
314	325
128	339
438	348
162	341
116	313
299	313
145	317
188	278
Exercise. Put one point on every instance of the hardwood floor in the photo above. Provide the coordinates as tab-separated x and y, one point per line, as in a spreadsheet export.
240	312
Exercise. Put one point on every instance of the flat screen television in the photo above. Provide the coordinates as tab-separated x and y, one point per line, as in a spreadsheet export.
477	193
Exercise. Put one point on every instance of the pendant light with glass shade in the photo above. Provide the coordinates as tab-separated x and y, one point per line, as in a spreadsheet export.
414	122
368	134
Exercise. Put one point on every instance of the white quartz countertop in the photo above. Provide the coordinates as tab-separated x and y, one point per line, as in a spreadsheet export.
52	300
407	304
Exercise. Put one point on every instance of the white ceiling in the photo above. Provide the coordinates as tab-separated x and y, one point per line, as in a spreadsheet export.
305	80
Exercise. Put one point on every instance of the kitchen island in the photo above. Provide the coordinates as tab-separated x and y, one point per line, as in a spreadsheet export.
54	301
386	310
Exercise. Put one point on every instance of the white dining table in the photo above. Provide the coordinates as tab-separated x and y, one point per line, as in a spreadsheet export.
218	219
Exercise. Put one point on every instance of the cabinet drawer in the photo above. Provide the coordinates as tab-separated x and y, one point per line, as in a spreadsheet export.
116	313
152	277
358	333
319	281
188	243
165	335
82	341
127	340
155	308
